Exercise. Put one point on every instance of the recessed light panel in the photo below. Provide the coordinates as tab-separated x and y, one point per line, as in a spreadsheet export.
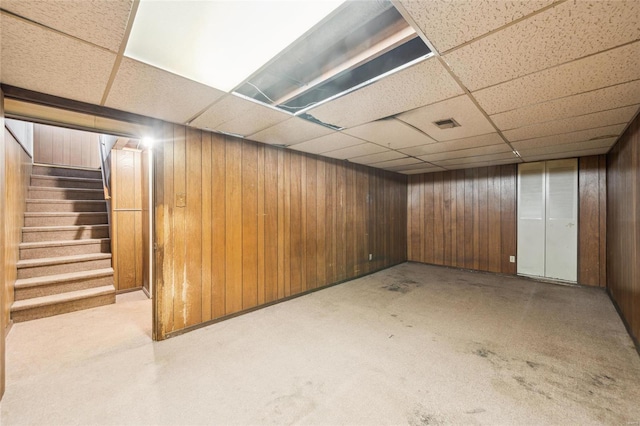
219	43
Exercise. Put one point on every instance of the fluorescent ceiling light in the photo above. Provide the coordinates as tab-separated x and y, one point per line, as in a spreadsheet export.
219	43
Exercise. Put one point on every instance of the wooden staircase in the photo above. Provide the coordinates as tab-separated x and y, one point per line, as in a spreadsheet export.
65	254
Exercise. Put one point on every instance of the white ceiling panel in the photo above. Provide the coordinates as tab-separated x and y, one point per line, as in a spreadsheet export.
224	110
376	158
569	147
461	109
390	133
98	22
396	163
585	103
483	164
414	166
570	154
291	131
573	124
258	118
451	23
473	142
46	61
476	159
565	32
420	171
330	142
464	153
355	151
583	135
146	90
594	72
421	84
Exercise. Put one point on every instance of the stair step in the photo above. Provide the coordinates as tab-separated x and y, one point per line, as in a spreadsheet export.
66	205
35	219
45	306
42	249
65	182
29	288
53	233
50	193
31	268
53	170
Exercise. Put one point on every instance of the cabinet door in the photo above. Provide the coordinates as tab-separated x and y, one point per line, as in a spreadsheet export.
562	220
531	219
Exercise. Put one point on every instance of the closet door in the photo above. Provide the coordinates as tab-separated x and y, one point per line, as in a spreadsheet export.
531	219
561	257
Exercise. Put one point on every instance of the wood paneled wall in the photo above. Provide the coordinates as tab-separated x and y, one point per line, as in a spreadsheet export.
146	216
623	226
3	210
66	147
126	219
241	224
464	218
17	175
592	220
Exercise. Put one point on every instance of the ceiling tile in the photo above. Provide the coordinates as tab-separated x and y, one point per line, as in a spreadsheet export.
414	166
573	124
451	23
464	153
330	142
570	154
585	103
583	135
473	142
258	118
146	90
45	61
594	72
421	84
391	133
376	158
569	147
396	163
483	164
461	109
420	171
475	159
355	151
98	22
568	31
291	131
226	109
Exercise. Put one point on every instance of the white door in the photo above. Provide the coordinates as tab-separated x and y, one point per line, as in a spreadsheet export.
531	218
548	219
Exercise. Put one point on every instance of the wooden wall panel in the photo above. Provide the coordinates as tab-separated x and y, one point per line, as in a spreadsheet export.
145	222
623	226
464	218
592	178
17	169
277	223
3	211
66	147
127	224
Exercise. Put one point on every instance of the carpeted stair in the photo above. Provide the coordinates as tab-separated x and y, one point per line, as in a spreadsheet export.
65	255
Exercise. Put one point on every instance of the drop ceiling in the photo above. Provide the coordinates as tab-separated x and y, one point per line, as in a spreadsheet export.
550	79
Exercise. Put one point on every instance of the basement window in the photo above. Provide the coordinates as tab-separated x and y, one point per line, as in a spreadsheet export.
358	44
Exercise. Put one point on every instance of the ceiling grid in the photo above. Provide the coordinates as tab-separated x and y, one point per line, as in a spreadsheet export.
545	78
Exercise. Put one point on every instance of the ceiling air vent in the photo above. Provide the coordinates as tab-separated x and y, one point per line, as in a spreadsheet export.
448	123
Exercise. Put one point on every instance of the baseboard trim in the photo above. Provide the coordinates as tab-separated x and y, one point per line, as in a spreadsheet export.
266	305
635	341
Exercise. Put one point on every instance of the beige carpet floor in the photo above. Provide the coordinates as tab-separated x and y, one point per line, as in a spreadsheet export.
413	344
